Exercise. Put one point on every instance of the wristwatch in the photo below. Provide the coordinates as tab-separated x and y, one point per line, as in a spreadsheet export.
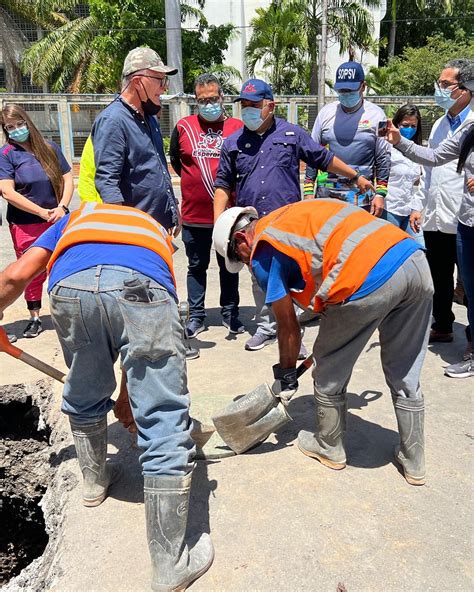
66	209
355	178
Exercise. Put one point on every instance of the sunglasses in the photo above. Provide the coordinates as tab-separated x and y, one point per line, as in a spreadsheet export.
163	81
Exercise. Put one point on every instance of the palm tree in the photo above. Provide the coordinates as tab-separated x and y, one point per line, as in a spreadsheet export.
84	52
286	36
420	4
276	43
11	51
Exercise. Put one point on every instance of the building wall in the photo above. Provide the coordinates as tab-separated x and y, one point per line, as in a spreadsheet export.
241	12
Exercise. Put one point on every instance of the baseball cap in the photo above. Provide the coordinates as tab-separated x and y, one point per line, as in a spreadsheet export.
145	58
255	90
349	76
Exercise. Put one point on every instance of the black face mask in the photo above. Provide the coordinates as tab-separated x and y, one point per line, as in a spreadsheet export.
148	106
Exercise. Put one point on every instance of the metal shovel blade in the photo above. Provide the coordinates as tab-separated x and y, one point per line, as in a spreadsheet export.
250	419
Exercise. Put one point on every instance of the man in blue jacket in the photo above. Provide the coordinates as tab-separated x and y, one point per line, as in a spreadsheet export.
130	162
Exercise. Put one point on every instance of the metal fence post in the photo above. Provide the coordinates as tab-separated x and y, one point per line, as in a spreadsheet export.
65	130
293	111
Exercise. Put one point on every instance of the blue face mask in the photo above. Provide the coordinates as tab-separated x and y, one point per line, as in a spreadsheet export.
210	111
443	97
20	134
349	99
408	132
252	118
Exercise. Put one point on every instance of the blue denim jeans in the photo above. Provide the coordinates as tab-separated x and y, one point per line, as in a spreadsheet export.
198	241
465	248
403	222
96	324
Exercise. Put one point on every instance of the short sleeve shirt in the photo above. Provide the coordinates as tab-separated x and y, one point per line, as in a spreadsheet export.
30	179
86	255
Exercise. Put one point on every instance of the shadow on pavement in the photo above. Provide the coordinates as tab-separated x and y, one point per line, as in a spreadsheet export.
201	490
368	445
18	327
450	353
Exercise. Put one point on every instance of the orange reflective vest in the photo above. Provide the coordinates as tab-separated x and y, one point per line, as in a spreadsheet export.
334	244
105	223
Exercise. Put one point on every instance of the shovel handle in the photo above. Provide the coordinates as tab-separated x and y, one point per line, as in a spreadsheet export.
305	365
19	354
42	367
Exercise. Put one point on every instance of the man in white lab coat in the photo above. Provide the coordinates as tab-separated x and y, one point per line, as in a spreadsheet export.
439	197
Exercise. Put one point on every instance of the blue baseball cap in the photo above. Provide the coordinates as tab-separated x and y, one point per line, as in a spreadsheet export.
255	90
349	76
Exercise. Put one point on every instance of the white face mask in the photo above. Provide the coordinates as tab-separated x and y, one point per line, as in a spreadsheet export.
252	118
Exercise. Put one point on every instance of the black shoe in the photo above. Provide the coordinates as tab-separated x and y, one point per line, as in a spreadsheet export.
235	325
11	338
194	327
33	329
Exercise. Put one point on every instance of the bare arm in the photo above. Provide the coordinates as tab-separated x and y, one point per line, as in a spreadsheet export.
19	274
7	188
445	152
341	168
221	199
288	330
58	212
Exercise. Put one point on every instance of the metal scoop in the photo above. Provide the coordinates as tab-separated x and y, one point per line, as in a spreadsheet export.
254	416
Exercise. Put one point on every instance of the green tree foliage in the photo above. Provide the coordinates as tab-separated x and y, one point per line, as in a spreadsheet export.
86	53
415	21
285	38
278	46
414	72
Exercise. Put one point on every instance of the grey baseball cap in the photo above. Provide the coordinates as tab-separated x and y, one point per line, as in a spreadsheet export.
145	58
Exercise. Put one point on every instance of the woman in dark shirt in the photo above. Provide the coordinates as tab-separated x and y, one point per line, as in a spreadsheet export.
36	181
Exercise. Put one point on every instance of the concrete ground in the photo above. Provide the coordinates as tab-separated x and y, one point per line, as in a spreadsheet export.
279	520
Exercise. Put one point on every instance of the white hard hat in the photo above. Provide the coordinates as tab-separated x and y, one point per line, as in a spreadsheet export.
222	233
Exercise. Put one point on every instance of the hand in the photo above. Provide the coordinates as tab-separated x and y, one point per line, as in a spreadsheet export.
393	135
286	383
44	214
56	214
123	411
365	185
470	185
377	205
177	228
415	221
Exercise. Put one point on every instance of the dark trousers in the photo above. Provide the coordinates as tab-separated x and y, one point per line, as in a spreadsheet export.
465	243
441	255
198	242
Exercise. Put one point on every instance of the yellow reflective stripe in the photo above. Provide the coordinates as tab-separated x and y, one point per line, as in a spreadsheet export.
91	207
352	241
114	228
315	245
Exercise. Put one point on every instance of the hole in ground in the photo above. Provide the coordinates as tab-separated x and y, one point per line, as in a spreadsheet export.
23	535
19	421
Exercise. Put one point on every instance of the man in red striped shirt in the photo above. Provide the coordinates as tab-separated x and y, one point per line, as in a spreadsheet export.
195	150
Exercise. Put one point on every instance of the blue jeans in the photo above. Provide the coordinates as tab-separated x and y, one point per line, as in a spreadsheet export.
96	324
198	241
465	249
403	222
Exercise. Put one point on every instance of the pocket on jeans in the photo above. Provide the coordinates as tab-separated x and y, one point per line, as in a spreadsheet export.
68	321
149	328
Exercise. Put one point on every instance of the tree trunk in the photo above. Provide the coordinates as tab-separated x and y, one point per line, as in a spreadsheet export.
393	30
391	39
13	45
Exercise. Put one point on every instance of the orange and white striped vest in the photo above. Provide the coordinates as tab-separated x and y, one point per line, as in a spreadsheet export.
334	244
105	223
